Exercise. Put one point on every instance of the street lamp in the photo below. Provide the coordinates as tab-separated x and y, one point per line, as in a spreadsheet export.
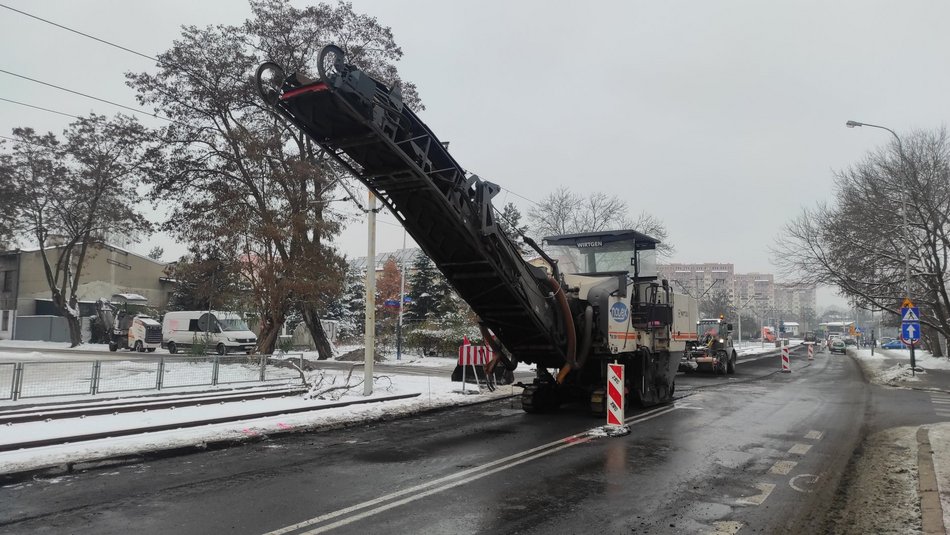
903	157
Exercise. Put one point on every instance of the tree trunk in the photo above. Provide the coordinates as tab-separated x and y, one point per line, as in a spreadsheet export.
270	329
312	318
71	315
75	330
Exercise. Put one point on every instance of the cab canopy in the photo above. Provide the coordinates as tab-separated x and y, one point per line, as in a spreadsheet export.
610	251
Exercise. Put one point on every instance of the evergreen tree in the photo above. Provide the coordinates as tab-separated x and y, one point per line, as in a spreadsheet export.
430	292
510	222
349	309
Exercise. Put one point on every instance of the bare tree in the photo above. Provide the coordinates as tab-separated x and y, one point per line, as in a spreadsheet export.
859	244
71	192
566	212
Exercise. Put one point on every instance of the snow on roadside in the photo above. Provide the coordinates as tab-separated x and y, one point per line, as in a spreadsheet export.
434	392
878	493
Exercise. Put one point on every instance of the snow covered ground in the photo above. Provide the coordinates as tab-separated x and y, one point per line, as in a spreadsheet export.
433	392
892	366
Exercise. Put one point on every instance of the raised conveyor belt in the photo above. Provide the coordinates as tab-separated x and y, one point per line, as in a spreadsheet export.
366	127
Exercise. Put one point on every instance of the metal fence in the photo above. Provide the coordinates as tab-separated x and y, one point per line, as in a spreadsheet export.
21	380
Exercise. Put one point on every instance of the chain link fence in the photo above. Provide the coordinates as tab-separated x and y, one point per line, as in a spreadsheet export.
22	380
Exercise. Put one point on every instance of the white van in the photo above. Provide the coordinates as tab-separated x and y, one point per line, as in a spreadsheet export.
226	332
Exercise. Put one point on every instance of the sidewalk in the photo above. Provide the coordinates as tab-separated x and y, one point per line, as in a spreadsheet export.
891	367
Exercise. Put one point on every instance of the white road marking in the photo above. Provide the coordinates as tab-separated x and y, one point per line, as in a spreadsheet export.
726	527
782	468
446	483
764	490
814	435
799	449
809	479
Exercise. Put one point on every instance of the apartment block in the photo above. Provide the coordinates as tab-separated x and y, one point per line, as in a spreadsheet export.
700	279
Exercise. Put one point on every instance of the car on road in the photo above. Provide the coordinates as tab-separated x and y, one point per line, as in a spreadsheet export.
837	346
893	344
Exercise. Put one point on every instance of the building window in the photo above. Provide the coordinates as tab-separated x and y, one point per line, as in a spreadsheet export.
7	281
5	322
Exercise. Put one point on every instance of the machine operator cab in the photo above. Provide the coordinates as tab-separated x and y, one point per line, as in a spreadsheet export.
615	272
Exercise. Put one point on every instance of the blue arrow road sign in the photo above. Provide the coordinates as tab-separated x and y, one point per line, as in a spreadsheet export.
910	331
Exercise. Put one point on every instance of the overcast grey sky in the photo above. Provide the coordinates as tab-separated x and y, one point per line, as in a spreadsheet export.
722	119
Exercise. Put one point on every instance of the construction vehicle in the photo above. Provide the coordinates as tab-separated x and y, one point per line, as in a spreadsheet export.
712	350
125	329
598	298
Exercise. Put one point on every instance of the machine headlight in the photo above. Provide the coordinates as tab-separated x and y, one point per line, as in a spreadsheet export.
721	341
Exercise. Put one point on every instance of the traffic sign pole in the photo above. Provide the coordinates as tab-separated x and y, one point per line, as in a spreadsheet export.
910	329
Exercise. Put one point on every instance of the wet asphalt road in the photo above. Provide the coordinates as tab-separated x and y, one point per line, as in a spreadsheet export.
759	452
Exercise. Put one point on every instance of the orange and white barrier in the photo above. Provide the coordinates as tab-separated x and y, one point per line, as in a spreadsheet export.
785	366
615	388
811	351
470	355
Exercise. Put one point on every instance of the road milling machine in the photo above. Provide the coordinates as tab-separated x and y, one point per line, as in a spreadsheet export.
595	298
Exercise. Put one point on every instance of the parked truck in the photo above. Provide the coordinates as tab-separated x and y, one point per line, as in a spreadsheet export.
126	329
712	350
596	299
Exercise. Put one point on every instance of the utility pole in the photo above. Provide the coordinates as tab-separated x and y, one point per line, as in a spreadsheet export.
402	298
370	335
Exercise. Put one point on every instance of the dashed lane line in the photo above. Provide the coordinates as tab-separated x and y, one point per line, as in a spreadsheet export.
799	449
764	490
814	435
726	527
782	468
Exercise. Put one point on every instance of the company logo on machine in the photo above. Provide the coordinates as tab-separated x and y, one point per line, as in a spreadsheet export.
618	312
583	244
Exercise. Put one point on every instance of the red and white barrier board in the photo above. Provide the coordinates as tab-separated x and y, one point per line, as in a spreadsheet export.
615	390
811	351
474	355
785	367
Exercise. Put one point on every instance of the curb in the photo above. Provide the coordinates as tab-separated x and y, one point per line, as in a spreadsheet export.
930	510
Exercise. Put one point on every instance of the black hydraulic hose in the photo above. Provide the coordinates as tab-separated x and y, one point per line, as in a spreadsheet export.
586	336
571	355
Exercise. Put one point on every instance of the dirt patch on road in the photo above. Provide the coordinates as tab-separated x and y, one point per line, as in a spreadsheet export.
878	493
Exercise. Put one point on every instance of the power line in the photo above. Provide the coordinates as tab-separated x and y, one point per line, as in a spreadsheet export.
521	197
39	108
87	95
120	47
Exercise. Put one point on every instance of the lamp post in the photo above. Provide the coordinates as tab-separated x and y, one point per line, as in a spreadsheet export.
903	157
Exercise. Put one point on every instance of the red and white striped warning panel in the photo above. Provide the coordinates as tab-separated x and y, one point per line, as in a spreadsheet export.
785	366
811	351
477	355
615	394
